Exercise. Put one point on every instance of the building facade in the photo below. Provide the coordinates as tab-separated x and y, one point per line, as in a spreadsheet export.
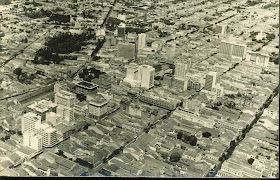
181	69
233	50
29	122
210	81
257	58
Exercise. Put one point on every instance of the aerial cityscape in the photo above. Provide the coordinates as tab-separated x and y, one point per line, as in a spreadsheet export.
139	88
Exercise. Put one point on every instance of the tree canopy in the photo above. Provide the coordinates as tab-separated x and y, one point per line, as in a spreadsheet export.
206	134
175	157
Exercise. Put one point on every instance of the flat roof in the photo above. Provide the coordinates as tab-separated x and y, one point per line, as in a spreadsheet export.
87	85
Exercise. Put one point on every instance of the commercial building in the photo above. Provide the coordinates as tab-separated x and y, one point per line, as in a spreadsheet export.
133	75
181	69
65	98
29	122
65	112
53	118
60	85
170	50
140	76
147	76
219	90
210	81
257	58
42	107
48	134
84	87
127	51
163	102
32	140
233	50
180	84
98	106
220	28
81	109
141	41
194	83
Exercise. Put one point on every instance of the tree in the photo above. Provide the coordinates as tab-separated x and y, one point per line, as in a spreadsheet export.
179	135
175	157
251	160
157	67
270	37
186	138
193	140
206	134
230	104
18	72
232	143
81	97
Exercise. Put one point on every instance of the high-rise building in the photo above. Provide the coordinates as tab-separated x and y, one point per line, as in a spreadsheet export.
58	86
170	51
32	140
180	84
221	29
147	76
140	76
233	50
181	70
48	134
29	122
127	50
133	75
257	58
65	112
65	98
210	81
141	41
219	90
53	118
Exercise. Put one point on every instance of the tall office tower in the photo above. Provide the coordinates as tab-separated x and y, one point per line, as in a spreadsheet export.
141	41
148	75
30	121
65	98
32	140
257	58
140	76
219	90
65	112
221	29
210	81
48	134
133	75
121	30
233	50
170	51
181	69
127	50
60	85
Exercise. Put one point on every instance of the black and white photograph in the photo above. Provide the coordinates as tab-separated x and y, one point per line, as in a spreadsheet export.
139	88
